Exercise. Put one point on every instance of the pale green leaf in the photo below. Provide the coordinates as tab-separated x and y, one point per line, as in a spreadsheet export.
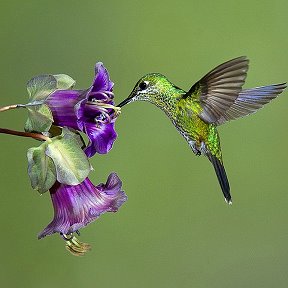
39	118
64	82
41	169
72	165
40	87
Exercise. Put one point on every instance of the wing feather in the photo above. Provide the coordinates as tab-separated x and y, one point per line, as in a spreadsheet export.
218	90
250	100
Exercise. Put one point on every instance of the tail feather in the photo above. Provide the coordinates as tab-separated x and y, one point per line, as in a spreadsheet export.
222	176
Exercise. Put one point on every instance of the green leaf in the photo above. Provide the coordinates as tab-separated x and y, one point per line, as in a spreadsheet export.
72	165
40	87
59	158
64	82
39	118
41	169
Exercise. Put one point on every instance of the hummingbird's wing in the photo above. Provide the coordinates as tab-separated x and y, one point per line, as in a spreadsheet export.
250	100
218	90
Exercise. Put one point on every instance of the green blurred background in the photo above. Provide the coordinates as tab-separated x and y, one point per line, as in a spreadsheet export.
175	230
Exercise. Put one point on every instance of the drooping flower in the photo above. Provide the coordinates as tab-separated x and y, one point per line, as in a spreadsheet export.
91	111
76	206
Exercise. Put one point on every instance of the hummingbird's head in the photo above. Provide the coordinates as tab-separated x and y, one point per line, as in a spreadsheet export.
150	87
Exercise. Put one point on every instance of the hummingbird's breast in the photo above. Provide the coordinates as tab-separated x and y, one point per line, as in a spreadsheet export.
187	120
196	132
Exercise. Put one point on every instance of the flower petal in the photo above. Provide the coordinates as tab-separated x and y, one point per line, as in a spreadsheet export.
102	137
62	103
102	80
111	188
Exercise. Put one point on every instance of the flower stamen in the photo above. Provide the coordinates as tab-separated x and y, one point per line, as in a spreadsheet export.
103	107
74	246
107	95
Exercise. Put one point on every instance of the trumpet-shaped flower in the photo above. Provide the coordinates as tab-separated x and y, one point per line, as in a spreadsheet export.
77	206
88	111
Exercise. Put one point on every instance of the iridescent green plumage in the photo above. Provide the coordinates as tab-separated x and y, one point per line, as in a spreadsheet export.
216	98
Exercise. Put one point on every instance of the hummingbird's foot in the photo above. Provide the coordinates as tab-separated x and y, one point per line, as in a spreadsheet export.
195	150
194	146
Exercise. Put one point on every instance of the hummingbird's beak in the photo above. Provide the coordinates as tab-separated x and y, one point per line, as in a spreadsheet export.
124	102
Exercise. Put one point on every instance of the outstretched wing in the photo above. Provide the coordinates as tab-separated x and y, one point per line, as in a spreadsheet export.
218	90
250	100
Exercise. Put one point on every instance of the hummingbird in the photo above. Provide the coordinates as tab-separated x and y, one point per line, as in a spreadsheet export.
215	99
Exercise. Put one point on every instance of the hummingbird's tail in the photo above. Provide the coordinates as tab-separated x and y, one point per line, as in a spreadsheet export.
222	176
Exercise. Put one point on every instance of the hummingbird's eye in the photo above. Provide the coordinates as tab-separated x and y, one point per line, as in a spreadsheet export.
143	85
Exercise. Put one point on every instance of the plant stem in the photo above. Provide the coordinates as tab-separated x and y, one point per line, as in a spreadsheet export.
36	136
9	107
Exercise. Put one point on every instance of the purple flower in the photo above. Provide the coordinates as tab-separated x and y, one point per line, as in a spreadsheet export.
88	111
77	206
